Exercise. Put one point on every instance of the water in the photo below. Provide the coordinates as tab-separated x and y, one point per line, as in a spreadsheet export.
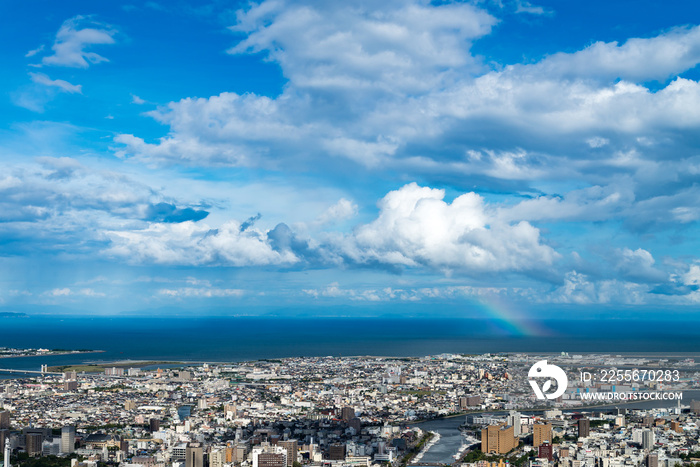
231	339
226	339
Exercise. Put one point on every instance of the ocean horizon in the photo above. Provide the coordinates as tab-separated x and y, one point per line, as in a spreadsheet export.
231	339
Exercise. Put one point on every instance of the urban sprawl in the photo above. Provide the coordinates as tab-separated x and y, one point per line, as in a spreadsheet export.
349	412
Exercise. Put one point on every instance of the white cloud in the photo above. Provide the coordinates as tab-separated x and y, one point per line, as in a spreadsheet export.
342	210
33	52
415	226
638	59
197	244
137	100
73	38
394	46
67	292
65	86
193	292
578	289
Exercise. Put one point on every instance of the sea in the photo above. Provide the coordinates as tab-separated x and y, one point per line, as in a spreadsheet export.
232	339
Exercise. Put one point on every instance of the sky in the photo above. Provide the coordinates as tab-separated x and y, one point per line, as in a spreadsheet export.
350	157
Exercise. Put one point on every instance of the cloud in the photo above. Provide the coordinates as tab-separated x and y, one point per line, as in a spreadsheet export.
68	292
193	292
395	46
638	59
73	38
197	244
137	100
416	227
33	52
368	89
65	86
342	210
523	6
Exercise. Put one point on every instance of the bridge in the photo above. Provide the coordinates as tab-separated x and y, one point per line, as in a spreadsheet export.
31	372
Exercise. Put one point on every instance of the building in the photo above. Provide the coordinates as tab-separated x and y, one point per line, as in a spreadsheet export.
4	419
217	458
356	424
584	428
67	440
348	413
291	446
270	456
652	460
336	452
4	437
33	443
546	451
469	401
514	420
541	433
71	385
647	439
154	424
194	455
498	439
694	407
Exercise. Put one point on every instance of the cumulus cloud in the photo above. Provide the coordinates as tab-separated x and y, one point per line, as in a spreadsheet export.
394	46
74	37
394	87
197	244
415	226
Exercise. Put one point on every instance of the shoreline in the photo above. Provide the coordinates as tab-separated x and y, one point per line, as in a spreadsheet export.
56	354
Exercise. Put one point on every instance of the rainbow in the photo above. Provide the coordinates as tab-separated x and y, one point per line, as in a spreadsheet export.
507	319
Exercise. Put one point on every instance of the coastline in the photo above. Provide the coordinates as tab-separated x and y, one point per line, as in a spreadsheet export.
57	354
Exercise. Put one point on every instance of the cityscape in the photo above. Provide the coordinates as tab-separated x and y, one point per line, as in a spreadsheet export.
350	233
350	411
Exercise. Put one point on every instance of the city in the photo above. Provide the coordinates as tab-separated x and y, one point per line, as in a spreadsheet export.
345	411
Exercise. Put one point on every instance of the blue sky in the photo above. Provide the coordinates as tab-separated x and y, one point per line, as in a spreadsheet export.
362	157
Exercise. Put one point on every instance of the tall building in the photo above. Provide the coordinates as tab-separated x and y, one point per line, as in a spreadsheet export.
4	419
154	424
194	455
545	451
6	455
694	407
584	427
356	424
33	444
647	439
348	413
652	460
4	437
336	452
70	386
291	446
498	439
67	440
273	456
514	419
217	458
541	432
